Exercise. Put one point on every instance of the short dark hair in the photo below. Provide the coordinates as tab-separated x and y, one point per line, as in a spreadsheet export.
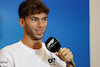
29	7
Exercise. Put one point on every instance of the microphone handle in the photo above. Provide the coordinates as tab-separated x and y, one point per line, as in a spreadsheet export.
71	63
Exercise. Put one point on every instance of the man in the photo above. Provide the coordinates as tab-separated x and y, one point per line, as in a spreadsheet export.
31	51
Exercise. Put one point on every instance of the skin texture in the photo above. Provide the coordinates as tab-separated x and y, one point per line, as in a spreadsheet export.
34	27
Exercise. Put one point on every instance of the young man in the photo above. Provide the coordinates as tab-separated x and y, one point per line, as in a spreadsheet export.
31	51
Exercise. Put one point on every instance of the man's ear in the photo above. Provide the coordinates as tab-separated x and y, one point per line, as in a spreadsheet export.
22	22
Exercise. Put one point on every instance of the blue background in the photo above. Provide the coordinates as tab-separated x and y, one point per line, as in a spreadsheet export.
68	21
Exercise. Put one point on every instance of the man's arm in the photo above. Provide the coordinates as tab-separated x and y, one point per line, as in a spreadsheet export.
66	55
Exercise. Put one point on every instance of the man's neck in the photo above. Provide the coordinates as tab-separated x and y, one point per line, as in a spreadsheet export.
34	44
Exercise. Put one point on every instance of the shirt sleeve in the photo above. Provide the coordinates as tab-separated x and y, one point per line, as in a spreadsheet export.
5	59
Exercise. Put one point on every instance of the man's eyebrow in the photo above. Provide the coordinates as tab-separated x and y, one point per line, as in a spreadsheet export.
46	17
37	17
34	17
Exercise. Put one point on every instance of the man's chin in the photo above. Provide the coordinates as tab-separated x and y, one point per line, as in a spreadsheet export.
38	37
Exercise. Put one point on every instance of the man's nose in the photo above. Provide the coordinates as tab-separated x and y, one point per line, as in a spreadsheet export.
40	23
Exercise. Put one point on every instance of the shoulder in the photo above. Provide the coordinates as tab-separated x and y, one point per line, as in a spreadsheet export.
6	54
9	48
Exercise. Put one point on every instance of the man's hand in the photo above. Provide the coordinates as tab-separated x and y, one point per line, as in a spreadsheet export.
65	55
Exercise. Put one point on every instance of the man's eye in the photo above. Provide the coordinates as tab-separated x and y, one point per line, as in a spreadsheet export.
34	19
44	19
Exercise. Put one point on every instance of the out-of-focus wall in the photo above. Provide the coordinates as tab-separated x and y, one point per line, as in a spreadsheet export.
95	33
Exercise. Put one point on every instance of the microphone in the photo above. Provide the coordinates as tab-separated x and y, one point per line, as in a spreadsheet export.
53	45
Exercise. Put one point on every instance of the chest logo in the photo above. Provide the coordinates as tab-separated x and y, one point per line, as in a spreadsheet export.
51	61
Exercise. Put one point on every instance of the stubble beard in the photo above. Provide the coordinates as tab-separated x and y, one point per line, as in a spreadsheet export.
33	35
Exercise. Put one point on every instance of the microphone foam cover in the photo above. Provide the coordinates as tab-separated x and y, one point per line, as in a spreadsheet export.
53	45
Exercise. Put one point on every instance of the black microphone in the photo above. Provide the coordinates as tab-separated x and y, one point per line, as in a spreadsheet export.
53	45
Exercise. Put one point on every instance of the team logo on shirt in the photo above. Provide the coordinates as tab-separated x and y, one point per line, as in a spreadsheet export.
52	61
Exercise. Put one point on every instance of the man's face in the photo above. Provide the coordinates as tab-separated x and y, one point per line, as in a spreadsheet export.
35	25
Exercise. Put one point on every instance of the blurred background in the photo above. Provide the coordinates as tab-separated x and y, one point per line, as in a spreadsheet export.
68	21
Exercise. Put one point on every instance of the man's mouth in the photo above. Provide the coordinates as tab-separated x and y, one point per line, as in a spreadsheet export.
39	31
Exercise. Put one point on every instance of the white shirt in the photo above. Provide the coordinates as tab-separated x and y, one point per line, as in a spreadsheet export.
20	55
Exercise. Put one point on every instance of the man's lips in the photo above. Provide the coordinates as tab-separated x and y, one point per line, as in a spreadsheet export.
39	31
